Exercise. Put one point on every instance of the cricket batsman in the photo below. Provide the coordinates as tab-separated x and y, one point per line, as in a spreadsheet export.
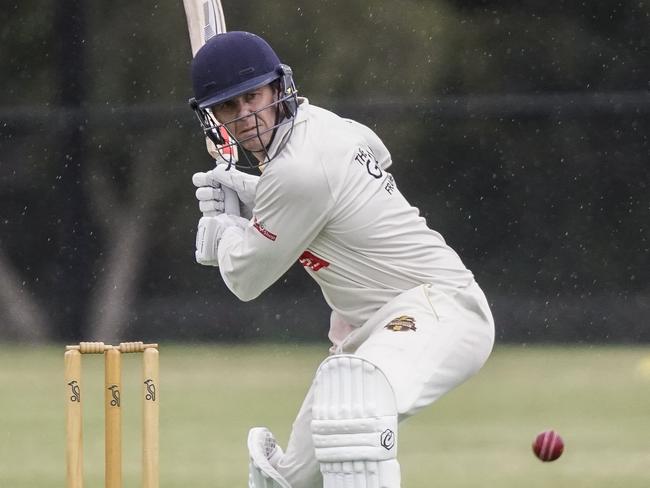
409	322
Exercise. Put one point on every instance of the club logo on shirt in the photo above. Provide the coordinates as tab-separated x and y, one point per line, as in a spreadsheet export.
263	230
309	260
401	324
366	159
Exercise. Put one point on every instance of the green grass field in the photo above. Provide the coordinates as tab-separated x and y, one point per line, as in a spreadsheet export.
477	436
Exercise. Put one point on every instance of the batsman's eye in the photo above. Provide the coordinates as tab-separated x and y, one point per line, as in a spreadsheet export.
225	107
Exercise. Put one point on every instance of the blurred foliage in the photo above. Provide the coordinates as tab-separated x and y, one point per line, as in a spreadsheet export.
138	52
549	209
27	61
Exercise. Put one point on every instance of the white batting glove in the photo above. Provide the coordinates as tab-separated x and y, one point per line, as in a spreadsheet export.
211	200
244	184
209	233
210	195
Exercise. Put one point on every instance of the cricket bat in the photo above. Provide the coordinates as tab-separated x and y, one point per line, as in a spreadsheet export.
205	20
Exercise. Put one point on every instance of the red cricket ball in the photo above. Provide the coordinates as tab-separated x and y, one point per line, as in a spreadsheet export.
548	446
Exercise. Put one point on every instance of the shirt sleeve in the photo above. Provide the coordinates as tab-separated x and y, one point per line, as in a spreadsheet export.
292	205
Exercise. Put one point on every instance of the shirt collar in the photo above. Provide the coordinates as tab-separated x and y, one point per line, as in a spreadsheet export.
283	132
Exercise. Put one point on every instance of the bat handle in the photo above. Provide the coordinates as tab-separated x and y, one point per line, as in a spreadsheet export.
230	201
230	198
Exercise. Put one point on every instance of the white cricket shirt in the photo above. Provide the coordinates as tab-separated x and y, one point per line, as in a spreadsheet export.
327	200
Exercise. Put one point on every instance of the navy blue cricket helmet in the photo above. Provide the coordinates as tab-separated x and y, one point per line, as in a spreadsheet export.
234	63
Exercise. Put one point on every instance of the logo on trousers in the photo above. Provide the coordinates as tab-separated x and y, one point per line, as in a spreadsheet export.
387	439
401	324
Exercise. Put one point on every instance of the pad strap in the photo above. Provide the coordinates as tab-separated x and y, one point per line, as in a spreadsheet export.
355	439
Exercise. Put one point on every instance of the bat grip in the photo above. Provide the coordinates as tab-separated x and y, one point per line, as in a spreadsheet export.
230	201
230	204
230	198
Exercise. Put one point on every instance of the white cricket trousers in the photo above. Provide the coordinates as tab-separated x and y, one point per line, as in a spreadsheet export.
453	337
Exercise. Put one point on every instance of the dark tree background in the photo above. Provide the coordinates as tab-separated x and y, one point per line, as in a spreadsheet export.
519	129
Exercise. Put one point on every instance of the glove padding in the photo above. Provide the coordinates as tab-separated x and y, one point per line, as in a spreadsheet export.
211	200
244	184
209	233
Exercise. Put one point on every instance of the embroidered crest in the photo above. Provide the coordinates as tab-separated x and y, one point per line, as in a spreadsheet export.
401	324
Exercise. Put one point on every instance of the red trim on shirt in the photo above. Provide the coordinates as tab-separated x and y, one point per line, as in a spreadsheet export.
309	260
266	233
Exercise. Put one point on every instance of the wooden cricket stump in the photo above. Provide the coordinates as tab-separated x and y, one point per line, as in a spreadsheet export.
112	411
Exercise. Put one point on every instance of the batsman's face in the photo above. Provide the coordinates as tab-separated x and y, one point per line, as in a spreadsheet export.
248	120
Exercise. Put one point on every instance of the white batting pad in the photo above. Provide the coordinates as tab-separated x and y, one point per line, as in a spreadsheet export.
264	453
354	425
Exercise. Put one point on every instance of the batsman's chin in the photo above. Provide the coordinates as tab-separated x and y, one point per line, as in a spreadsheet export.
253	144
